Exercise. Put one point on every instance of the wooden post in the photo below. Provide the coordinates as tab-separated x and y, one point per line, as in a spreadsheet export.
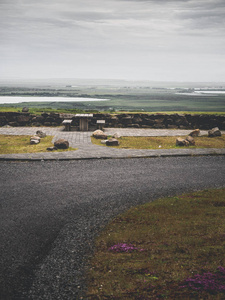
83	124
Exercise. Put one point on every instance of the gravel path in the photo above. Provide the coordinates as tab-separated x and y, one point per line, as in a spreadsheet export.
51	212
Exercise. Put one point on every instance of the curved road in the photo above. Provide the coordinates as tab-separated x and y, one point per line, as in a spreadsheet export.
51	211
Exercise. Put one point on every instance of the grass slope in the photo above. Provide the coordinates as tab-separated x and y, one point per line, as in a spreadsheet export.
168	249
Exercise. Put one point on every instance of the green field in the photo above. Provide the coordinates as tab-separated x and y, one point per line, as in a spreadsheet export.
121	98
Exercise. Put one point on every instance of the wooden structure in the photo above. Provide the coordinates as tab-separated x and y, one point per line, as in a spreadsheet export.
83	121
67	124
100	124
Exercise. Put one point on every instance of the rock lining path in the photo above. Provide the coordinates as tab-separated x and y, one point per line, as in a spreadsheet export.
86	150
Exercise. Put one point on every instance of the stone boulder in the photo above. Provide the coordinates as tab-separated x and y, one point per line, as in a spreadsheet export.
181	142
61	144
103	142
25	110
112	142
35	140
99	134
116	136
52	148
190	140
195	132
214	132
41	134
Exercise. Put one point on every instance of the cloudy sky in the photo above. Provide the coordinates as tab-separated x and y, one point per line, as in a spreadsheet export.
161	40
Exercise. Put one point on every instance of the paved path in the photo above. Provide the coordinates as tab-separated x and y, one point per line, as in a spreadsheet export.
86	150
51	211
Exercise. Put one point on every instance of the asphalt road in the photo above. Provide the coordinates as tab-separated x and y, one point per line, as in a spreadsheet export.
51	211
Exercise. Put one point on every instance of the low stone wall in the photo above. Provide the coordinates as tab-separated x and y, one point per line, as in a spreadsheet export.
157	121
162	121
26	119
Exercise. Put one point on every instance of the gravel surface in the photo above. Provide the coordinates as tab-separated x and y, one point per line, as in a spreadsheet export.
51	212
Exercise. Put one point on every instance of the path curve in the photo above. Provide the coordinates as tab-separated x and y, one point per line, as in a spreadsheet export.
51	211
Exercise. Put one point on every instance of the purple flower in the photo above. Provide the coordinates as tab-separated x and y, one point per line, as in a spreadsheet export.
123	247
210	282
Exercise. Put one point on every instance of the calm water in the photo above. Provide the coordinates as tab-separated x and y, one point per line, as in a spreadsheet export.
202	93
15	99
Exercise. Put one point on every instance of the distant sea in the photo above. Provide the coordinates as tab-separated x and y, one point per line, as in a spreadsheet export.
16	99
202	93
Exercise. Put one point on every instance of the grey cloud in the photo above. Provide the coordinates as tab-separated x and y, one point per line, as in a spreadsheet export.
117	32
85	16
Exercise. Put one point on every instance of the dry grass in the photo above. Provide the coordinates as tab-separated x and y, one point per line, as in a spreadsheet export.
181	236
11	144
167	142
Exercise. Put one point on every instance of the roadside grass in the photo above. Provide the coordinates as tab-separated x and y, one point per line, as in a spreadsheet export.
11	144
164	142
39	111
168	249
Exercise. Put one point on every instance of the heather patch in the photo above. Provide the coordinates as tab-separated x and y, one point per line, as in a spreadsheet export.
172	248
212	282
123	247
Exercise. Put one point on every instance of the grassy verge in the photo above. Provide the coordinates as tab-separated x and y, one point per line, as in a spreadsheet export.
11	144
165	142
36	110
39	111
173	112
172	248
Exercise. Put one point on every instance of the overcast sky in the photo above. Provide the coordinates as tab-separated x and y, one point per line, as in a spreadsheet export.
161	40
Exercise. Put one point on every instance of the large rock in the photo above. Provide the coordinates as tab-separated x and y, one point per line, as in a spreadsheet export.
99	134
181	142
35	140
112	142
116	136
35	137
41	134
61	144
195	132
25	110
214	132
52	148
190	140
